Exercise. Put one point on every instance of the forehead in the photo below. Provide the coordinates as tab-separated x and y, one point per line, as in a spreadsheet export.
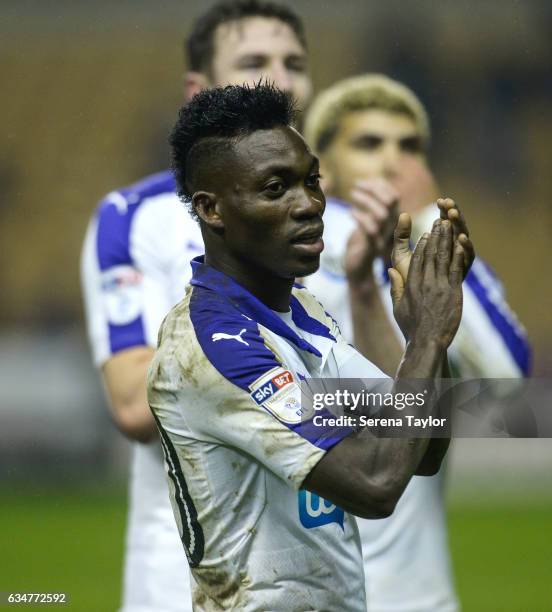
385	124
255	35
264	150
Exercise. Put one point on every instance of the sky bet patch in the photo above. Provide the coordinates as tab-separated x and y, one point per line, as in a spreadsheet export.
277	392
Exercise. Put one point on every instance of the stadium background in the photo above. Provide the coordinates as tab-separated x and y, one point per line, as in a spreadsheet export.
90	92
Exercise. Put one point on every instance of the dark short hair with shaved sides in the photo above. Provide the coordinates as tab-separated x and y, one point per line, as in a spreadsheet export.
214	120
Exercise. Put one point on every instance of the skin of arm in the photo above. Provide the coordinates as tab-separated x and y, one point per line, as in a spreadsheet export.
375	205
366	475
124	378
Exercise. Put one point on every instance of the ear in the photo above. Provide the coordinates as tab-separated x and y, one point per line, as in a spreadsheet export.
207	207
194	82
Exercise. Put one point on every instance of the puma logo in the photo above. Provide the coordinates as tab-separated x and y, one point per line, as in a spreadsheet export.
223	336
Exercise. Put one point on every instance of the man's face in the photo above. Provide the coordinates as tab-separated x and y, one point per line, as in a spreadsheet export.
272	209
377	143
259	48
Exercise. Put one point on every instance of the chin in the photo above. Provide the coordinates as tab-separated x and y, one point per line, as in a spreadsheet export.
306	268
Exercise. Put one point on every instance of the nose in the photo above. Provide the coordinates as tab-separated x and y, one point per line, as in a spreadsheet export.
391	159
281	76
308	205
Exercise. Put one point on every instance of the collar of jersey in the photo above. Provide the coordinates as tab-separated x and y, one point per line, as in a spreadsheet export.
204	275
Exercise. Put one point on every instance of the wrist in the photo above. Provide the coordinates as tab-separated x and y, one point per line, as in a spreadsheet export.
427	342
364	287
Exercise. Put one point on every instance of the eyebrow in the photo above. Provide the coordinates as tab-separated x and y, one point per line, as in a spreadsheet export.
380	136
276	168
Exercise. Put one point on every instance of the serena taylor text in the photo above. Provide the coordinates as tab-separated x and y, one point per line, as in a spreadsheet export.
365	421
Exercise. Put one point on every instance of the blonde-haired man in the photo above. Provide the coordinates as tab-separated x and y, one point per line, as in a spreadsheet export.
372	134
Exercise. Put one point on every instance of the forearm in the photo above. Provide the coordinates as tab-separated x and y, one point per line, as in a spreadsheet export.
366	474
437	447
374	335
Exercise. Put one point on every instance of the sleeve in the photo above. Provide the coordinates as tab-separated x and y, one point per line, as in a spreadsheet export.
125	300
491	342
223	385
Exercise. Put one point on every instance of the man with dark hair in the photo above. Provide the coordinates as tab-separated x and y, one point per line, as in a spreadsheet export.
241	452
135	264
247	40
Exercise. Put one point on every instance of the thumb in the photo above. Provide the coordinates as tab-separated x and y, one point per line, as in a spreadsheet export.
401	237
401	254
397	285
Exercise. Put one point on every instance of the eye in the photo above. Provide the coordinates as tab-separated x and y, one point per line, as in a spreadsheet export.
275	188
368	143
313	180
411	145
296	63
252	62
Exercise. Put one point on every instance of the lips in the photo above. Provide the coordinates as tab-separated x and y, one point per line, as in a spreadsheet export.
309	236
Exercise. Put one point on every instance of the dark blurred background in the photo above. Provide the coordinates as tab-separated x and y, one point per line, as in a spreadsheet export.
90	90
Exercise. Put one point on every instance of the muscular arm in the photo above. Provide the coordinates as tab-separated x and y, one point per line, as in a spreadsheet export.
366	475
124	377
437	447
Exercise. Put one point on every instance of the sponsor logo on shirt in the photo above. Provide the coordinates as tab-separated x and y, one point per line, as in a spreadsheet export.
223	336
122	291
278	392
315	511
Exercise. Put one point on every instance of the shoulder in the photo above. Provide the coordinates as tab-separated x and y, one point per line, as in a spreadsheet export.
213	340
119	211
144	220
487	300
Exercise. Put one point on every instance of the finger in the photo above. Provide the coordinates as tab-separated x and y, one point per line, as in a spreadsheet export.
365	202
443	210
454	214
444	205
416	263
397	285
430	252
367	223
456	270
469	252
380	188
444	250
401	239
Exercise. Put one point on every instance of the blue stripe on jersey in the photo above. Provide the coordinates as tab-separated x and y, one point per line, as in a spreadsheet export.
324	437
303	320
488	291
206	276
127	335
242	364
114	215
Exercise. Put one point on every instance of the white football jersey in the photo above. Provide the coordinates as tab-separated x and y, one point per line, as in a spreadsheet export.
135	266
224	388
406	559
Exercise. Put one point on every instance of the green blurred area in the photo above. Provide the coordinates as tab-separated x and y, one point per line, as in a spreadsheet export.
73	542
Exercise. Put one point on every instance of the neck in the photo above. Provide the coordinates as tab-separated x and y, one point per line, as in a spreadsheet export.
274	291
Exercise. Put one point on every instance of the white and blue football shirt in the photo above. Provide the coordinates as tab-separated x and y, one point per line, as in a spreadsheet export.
224	388
135	266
